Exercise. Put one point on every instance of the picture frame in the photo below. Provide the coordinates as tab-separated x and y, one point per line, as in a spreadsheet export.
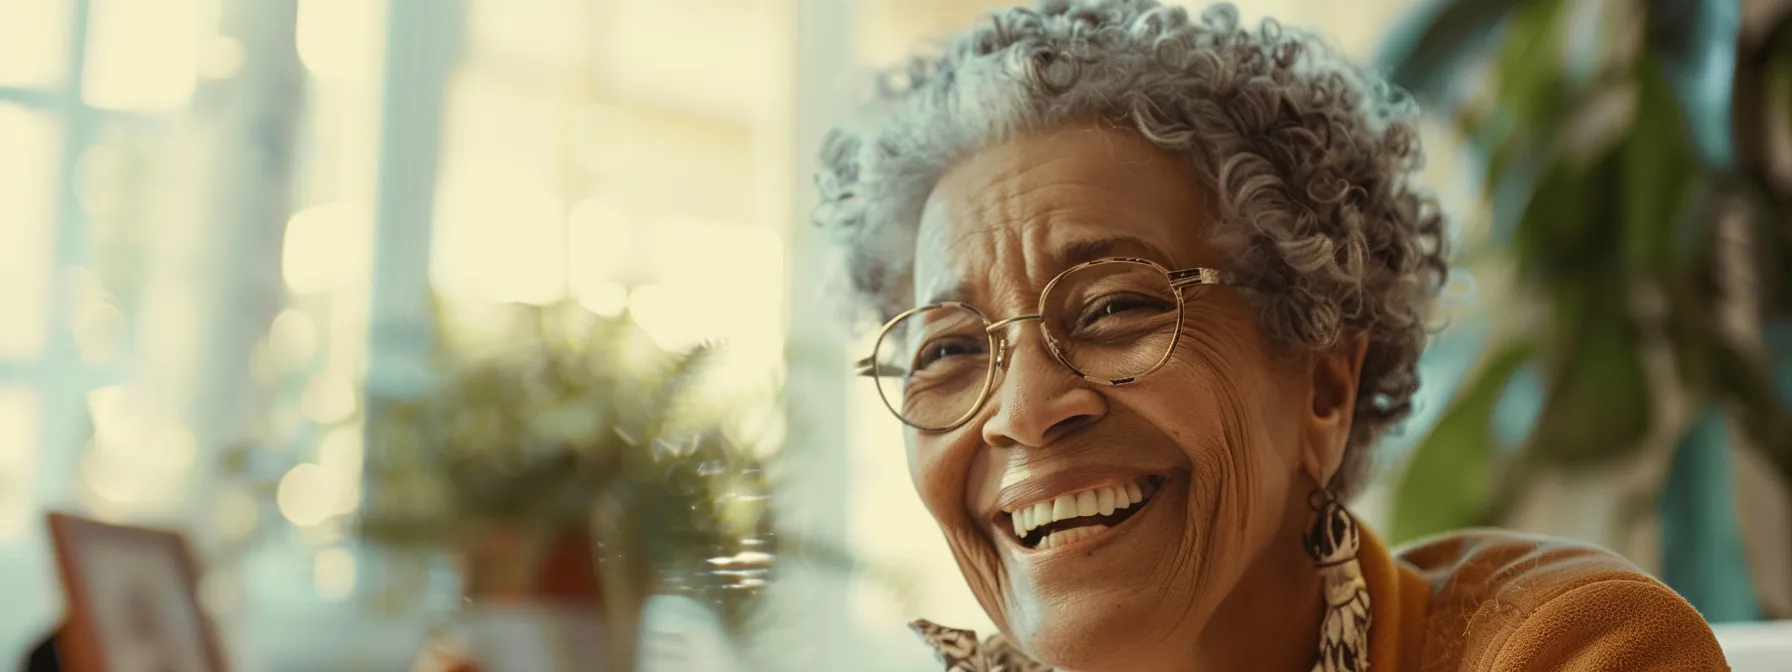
132	600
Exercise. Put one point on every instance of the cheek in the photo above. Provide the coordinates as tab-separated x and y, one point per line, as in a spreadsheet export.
1213	409
939	470
1225	411
1236	395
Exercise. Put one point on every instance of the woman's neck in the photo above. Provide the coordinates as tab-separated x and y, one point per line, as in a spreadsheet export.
1270	620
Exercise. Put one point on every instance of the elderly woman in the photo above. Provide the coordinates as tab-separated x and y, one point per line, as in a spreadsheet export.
1154	287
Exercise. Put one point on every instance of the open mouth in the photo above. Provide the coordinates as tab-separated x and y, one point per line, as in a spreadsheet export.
1076	516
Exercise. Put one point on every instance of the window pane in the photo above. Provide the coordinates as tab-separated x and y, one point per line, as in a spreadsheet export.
339	39
27	196
500	227
499	234
688	261
21	427
33	42
142	56
544	36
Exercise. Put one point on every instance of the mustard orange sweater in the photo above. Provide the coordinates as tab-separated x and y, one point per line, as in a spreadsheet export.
1499	601
1483	601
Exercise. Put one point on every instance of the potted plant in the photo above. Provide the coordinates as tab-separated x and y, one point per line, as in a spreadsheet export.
567	468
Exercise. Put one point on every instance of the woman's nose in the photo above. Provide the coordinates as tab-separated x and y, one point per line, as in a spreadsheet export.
1037	399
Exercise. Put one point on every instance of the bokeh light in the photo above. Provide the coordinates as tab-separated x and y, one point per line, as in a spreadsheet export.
666	314
597	243
33	35
327	247
143	56
305	495
293	339
221	57
606	298
336	38
499	236
333	573
236	513
136	456
329	398
26	228
98	325
21	423
339	454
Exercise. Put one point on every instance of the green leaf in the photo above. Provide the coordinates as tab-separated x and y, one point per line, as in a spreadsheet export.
1762	86
1598	401
1448	477
1536	244
1532	98
1530	64
1692	330
1747	378
1696	45
1564	238
1426	50
1660	175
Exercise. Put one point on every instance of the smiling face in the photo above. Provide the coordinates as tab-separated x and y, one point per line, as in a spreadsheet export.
1219	448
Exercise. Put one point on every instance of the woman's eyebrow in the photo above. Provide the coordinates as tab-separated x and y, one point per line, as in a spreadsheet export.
1071	254
1114	246
955	292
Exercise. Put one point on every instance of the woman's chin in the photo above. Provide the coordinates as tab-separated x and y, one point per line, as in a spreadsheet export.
1114	588
1093	638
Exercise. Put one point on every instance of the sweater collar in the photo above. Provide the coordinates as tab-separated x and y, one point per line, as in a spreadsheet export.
962	650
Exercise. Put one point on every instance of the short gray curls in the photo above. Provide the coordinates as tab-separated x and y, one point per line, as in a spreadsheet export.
1311	160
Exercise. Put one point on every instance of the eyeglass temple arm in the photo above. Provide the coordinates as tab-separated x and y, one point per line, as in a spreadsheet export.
1199	276
868	368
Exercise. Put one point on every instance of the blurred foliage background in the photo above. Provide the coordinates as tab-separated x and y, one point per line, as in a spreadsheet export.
1633	155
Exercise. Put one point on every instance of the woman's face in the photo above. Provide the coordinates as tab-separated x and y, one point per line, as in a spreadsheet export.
1225	441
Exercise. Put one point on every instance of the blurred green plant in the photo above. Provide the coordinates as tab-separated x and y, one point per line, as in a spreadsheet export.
554	419
1634	157
566	414
551	419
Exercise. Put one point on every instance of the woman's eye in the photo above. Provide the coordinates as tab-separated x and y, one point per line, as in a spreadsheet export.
1119	306
940	349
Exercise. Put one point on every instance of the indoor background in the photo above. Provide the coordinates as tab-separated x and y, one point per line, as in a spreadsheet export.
217	218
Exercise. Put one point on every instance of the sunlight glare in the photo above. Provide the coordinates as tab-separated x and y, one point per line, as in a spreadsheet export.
333	572
237	514
292	339
327	247
329	398
21	419
336	38
32	38
142	56
26	229
304	495
499	236
340	453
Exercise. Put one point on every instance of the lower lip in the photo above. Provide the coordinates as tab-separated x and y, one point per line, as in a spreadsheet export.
1098	537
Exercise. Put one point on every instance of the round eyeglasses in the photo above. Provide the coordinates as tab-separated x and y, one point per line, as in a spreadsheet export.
1111	321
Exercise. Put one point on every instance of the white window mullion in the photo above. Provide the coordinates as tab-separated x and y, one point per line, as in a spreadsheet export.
420	51
63	388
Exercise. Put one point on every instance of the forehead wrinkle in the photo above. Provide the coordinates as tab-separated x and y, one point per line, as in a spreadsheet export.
1006	231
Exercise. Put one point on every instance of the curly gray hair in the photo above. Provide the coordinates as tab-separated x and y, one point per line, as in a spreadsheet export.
1311	159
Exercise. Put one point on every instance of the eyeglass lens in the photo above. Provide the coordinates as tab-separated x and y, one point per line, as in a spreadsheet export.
1110	321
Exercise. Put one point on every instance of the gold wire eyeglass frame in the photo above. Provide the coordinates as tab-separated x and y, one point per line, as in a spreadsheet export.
1178	281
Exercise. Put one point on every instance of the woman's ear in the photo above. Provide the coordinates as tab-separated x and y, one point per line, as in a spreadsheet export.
1331	403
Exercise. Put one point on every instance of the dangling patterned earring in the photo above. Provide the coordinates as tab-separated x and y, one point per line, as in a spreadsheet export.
1332	542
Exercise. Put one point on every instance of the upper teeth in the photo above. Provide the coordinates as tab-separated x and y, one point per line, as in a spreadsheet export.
1099	501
